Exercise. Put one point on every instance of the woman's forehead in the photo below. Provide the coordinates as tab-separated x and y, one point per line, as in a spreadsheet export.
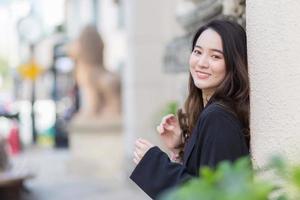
209	39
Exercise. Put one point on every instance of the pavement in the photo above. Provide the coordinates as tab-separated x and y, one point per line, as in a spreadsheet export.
54	179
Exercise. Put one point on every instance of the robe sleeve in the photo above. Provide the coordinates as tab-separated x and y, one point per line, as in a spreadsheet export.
156	173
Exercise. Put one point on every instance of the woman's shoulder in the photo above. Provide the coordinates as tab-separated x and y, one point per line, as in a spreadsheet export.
213	108
216	111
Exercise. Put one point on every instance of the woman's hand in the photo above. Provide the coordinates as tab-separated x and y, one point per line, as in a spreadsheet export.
141	147
170	132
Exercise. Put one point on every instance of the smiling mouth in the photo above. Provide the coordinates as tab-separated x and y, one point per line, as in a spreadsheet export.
202	75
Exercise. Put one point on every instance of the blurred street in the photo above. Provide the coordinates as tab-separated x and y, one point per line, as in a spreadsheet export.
79	83
55	180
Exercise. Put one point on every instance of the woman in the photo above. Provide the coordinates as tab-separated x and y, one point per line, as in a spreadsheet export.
215	123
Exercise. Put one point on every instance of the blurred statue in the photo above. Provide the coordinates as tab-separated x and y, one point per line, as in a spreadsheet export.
99	88
191	14
235	10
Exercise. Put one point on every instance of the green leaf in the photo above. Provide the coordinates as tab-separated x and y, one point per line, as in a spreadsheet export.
295	176
229	181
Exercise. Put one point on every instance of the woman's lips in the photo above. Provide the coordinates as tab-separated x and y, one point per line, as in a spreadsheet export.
202	75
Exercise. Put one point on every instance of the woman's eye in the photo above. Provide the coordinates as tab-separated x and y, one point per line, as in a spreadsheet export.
197	51
216	57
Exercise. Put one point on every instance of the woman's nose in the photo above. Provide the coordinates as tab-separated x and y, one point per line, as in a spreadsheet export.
202	61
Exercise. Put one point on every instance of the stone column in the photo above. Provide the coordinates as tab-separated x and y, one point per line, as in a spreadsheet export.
146	89
273	31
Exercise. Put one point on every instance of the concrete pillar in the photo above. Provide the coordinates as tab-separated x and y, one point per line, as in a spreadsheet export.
273	31
146	89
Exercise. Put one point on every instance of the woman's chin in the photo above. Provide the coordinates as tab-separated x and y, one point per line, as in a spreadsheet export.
200	85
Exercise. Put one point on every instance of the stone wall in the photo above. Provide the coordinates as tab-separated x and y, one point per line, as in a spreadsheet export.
273	31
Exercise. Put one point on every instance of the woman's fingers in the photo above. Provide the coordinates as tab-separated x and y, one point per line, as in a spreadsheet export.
137	154
136	157
143	141
160	129
136	161
146	143
165	118
169	127
140	143
171	119
167	123
141	147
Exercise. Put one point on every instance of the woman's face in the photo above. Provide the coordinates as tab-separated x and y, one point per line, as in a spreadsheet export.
207	64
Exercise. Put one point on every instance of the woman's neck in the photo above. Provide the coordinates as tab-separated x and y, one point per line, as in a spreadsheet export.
206	95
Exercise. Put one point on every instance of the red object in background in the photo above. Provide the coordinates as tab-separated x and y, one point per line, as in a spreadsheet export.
13	139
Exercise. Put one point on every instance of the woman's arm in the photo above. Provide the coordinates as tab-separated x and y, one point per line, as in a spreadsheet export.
216	137
156	173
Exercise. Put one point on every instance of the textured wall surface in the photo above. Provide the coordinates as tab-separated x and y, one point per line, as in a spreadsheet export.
273	29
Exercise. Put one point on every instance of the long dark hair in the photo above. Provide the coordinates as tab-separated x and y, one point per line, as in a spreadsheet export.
233	92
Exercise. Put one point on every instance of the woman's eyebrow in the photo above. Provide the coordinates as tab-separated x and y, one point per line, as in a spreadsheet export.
216	50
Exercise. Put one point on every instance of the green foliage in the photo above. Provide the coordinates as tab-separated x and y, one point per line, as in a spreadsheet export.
288	178
295	176
171	108
236	181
